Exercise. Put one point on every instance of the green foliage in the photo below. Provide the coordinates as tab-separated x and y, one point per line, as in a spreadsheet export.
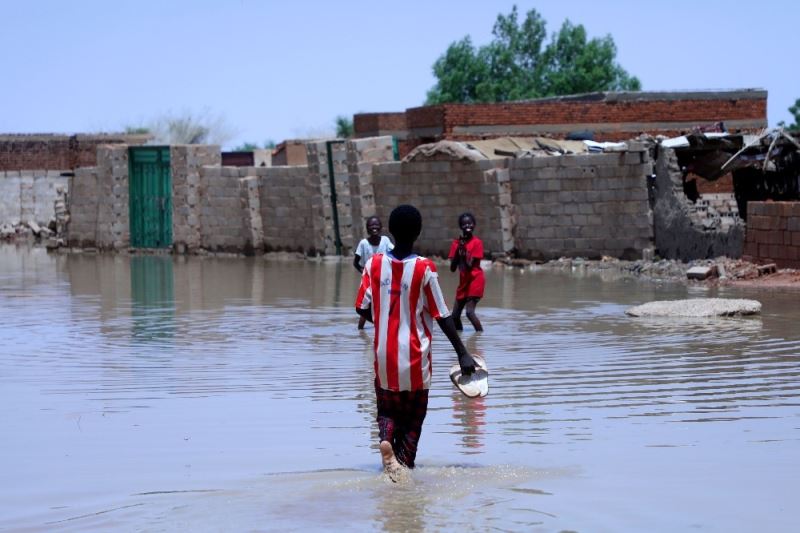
517	64
249	146
246	147
795	111
137	130
344	127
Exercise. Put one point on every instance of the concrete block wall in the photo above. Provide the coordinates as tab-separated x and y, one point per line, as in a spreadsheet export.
685	230
113	226
252	227
222	215
582	205
29	195
773	233
187	162
286	197
322	210
442	190
82	204
362	154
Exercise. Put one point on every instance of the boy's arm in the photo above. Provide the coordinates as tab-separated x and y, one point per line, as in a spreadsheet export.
465	360
357	263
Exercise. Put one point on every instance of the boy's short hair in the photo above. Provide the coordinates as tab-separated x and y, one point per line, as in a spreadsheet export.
373	217
467	214
405	223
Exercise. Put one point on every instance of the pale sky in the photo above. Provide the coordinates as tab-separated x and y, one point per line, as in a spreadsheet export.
278	70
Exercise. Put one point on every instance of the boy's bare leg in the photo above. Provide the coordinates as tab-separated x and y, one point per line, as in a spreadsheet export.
361	321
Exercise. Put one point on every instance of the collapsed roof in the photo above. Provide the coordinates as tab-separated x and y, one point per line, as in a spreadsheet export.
509	147
712	155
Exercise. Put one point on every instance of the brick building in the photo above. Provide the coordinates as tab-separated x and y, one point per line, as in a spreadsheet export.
604	116
57	152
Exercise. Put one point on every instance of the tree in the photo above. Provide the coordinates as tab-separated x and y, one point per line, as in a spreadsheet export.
344	127
517	64
795	111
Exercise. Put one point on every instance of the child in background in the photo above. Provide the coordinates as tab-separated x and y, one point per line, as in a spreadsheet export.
465	255
400	293
375	243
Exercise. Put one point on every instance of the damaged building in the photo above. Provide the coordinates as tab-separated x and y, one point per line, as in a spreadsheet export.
546	178
753	207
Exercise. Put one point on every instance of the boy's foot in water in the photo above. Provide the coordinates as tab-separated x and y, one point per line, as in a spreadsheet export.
391	466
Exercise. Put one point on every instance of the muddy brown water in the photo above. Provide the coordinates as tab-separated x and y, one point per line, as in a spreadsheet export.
206	394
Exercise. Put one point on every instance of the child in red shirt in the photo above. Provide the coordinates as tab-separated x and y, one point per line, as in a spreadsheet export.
465	255
400	294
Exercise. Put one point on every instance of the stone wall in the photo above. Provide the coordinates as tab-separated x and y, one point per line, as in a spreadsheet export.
689	230
582	205
773	233
29	196
442	190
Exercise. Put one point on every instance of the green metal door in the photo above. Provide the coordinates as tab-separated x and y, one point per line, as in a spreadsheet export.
150	197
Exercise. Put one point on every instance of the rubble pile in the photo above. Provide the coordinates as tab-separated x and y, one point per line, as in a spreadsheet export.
31	233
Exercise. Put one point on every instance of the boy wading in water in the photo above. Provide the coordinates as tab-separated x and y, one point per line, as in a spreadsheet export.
465	255
375	243
400	293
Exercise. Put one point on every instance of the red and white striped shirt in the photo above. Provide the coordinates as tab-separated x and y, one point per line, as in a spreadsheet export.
405	297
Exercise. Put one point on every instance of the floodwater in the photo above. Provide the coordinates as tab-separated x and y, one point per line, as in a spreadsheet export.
153	393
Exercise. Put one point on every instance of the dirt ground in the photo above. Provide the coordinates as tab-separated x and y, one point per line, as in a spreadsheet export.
727	272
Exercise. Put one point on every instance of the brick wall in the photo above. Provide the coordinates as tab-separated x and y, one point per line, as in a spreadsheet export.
290	153
379	124
57	152
582	205
773	233
609	116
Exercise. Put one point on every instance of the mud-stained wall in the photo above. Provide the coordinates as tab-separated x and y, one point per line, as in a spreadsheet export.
773	233
582	205
684	229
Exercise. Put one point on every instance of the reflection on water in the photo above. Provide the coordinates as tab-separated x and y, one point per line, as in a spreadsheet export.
161	393
153	297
